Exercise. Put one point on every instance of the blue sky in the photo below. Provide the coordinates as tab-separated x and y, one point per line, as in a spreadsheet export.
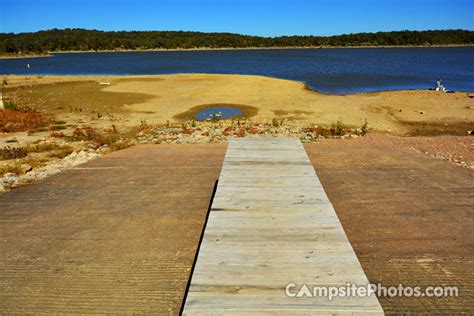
258	17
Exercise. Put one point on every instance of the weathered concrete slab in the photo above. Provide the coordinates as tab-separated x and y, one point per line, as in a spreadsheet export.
408	216
271	224
117	235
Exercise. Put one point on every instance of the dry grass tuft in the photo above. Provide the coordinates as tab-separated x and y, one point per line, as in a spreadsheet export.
8	153
42	147
61	152
114	139
54	150
36	162
14	167
57	134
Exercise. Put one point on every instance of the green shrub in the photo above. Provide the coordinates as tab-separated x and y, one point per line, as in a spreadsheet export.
8	105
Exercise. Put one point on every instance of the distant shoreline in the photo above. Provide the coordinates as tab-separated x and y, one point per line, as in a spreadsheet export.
24	56
51	54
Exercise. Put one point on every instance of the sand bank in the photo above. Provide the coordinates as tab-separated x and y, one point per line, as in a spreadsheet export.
162	98
17	56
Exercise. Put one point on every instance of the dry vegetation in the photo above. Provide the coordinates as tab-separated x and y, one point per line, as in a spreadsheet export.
19	121
10	152
95	138
23	157
63	139
12	167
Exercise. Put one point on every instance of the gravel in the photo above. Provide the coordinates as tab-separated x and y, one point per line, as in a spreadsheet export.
455	149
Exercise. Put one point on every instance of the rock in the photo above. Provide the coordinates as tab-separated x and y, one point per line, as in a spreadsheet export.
173	130
75	159
92	155
81	157
25	168
204	140
10	178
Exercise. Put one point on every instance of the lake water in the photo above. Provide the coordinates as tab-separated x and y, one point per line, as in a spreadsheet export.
218	113
326	70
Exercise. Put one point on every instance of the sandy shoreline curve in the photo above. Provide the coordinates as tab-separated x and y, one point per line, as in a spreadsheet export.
169	96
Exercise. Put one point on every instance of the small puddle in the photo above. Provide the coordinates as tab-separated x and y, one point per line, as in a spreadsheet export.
218	113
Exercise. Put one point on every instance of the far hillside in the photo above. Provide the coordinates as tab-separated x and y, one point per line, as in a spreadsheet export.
93	40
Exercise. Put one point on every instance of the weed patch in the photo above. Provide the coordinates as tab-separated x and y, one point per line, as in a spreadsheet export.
18	121
9	152
14	167
61	152
338	128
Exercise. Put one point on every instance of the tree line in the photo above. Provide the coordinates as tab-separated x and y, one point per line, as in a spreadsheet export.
93	40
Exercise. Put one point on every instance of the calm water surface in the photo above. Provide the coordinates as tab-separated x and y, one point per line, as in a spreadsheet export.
326	70
218	113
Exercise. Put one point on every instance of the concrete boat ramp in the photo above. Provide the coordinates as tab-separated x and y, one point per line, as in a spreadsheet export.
120	234
271	227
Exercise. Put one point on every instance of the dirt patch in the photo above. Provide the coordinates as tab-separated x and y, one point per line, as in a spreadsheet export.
139	79
454	149
247	110
434	129
281	112
73	96
295	112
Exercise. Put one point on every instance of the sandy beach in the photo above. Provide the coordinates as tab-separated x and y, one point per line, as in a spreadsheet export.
162	98
61	121
24	56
